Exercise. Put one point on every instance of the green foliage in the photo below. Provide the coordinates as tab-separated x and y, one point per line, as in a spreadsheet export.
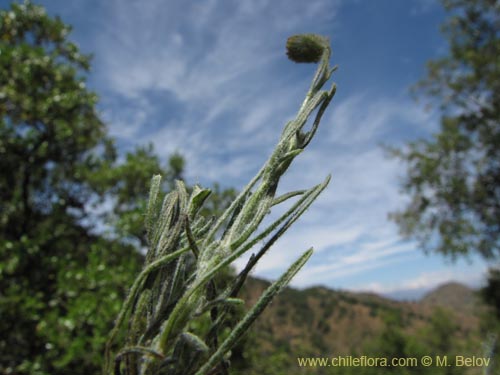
491	318
435	339
50	135
126	185
177	289
491	291
453	178
62	279
438	334
404	329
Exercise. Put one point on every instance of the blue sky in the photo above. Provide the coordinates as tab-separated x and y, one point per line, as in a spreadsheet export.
210	79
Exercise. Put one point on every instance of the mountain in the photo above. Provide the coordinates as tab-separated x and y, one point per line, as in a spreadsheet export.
454	296
322	322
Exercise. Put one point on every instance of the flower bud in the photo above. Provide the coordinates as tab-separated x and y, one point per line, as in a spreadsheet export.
306	48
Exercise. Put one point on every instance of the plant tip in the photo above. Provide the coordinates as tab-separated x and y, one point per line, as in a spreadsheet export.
306	48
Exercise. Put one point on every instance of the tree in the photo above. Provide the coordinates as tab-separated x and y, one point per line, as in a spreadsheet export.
391	343
62	276
61	282
453	178
491	292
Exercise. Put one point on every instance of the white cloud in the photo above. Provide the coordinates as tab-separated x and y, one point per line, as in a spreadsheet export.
220	60
429	280
175	46
363	118
328	274
421	7
354	261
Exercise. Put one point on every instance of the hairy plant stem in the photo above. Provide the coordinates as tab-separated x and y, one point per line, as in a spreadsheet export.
187	253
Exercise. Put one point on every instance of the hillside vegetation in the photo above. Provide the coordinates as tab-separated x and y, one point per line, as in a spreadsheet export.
319	322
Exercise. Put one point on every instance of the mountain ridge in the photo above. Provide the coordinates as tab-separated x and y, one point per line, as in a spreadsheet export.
319	321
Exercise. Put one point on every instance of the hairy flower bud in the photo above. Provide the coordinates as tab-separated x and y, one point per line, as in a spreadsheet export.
306	48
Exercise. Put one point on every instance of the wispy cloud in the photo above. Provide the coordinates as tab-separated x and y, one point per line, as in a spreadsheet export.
353	262
219	59
194	49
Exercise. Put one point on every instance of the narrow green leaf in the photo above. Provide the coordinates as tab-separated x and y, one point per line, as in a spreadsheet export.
254	312
151	211
198	197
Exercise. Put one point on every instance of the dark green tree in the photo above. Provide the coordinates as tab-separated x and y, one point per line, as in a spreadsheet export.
394	343
490	322
61	282
491	292
453	177
64	269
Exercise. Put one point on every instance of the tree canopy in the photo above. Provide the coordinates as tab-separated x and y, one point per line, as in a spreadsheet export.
453	177
62	277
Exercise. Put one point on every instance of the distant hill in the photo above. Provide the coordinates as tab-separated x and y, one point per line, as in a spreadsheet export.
454	296
322	322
